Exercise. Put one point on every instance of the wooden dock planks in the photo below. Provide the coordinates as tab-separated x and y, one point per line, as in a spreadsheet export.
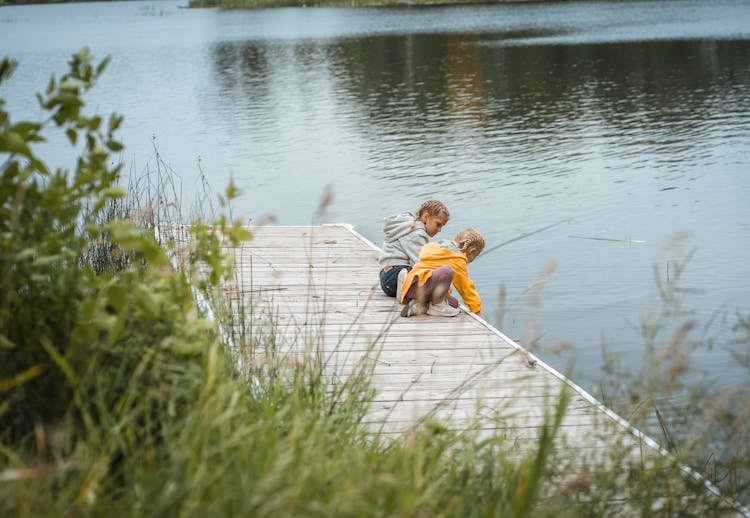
319	286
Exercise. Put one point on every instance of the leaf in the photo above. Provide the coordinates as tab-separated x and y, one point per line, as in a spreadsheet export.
128	236
70	85
72	136
115	146
114	122
13	143
46	260
232	190
94	123
104	321
100	68
7	67
26	129
6	343
148	300
26	253
237	233
50	86
117	296
59	360
21	378
115	192
38	165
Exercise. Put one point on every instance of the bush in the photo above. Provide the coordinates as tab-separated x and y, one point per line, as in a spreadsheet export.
100	338
53	312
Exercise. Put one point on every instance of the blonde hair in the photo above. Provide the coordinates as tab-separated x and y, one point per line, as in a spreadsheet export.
469	237
431	208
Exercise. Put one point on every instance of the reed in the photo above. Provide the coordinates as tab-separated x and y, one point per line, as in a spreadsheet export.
700	420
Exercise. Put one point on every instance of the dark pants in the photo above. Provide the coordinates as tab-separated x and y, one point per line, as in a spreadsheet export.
389	279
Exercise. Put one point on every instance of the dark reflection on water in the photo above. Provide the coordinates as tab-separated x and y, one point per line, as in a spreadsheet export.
528	110
643	102
628	120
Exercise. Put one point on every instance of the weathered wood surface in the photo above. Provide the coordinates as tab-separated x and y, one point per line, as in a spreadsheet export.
317	289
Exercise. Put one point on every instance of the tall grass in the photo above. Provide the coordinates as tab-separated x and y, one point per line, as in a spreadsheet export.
699	419
130	385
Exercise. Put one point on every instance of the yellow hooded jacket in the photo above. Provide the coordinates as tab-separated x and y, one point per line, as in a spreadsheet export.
434	255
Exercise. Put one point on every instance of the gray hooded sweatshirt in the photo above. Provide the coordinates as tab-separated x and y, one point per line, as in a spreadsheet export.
402	244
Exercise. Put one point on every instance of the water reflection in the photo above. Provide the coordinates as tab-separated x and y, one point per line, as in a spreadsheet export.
463	106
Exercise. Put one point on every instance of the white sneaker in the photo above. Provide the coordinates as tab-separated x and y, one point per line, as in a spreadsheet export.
443	310
400	283
412	308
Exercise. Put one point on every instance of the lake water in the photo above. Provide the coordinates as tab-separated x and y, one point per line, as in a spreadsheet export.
624	122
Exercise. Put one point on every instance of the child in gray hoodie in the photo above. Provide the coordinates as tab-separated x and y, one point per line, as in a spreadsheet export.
405	234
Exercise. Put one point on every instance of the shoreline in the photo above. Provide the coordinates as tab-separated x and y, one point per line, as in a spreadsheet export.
264	4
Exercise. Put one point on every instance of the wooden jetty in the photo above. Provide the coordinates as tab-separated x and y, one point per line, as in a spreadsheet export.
319	285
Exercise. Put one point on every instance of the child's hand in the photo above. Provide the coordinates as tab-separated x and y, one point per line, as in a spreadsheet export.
452	301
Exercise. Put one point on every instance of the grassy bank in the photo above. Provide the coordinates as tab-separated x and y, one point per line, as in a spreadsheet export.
125	391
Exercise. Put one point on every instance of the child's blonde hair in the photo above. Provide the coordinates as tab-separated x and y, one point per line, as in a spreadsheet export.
469	238
431	208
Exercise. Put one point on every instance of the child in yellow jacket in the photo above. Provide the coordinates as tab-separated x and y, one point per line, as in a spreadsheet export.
439	266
